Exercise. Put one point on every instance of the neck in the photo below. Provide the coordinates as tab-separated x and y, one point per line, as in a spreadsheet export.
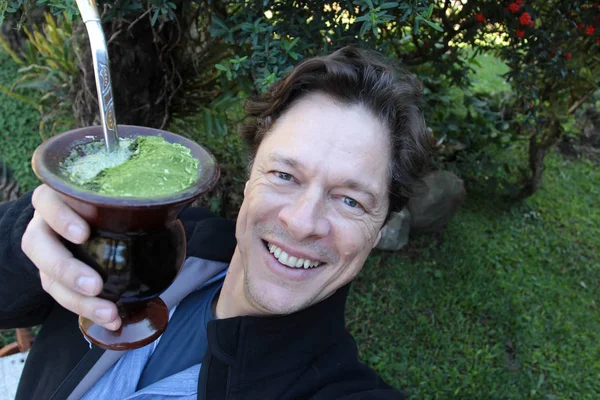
232	301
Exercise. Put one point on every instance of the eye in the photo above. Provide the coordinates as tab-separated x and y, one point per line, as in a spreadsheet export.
283	176
349	201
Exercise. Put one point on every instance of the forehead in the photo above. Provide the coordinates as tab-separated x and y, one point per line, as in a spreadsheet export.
344	141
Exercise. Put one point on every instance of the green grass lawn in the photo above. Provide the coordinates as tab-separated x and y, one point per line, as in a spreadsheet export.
501	305
487	76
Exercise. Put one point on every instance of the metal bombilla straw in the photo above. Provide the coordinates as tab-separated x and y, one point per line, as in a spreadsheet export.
91	18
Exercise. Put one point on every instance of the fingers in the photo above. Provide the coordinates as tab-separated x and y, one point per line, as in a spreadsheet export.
58	215
51	257
102	312
69	281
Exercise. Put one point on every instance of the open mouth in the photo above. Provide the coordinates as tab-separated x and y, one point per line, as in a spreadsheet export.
291	261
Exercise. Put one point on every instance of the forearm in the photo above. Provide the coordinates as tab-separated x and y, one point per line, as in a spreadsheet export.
23	302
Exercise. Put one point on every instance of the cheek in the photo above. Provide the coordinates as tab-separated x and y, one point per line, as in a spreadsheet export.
256	207
354	240
261	201
241	227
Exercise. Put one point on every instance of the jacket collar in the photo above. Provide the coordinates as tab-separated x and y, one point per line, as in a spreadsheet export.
270	340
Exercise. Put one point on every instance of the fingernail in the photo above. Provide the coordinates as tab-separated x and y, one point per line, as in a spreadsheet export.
86	284
111	326
76	232
103	314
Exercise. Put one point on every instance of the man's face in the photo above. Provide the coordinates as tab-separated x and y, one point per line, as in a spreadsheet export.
314	204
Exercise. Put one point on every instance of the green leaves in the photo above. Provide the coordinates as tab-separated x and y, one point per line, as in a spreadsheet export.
435	26
275	35
67	7
49	66
232	67
161	8
377	14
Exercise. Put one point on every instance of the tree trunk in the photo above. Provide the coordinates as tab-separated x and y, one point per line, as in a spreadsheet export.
538	149
533	182
141	75
153	67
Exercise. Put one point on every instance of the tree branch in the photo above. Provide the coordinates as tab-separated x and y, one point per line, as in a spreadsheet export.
138	19
582	100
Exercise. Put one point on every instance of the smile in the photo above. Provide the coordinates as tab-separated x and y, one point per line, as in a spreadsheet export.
291	261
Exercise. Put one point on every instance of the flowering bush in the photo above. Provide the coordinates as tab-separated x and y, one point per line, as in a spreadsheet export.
202	55
553	52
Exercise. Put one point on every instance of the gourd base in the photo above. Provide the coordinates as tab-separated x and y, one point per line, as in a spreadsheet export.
142	323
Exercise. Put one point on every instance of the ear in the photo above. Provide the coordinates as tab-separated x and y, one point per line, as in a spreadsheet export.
246	188
378	237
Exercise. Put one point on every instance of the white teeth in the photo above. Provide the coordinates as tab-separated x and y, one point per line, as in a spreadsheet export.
291	261
283	258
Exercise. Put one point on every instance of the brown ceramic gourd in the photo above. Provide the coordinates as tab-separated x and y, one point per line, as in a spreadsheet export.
137	245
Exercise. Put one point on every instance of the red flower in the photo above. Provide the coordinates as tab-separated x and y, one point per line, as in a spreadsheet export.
590	30
530	106
552	54
568	56
596	5
519	2
525	18
520	33
598	40
514	7
479	17
580	25
532	24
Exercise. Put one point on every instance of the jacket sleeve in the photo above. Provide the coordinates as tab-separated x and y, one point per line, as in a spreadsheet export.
208	236
23	302
360	384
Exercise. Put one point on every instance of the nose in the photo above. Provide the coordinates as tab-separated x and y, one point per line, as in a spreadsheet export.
304	216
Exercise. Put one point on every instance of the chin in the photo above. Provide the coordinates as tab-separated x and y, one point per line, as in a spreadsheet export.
273	298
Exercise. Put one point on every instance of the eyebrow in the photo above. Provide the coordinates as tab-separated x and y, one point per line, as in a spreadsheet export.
347	183
274	157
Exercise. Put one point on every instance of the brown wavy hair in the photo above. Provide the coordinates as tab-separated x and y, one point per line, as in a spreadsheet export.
355	76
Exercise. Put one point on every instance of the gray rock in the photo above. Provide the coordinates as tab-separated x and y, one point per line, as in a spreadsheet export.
395	232
438	203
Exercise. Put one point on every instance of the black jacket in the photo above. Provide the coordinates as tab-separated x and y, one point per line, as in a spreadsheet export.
306	355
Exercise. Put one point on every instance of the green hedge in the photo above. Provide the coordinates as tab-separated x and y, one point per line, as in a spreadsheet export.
18	129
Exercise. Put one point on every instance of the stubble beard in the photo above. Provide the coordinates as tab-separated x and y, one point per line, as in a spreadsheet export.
261	300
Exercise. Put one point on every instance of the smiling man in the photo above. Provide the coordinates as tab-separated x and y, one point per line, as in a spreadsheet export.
336	145
313	208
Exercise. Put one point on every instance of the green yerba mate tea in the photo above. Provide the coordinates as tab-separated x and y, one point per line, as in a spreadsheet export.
148	166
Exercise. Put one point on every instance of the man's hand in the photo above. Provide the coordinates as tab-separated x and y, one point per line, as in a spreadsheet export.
70	282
